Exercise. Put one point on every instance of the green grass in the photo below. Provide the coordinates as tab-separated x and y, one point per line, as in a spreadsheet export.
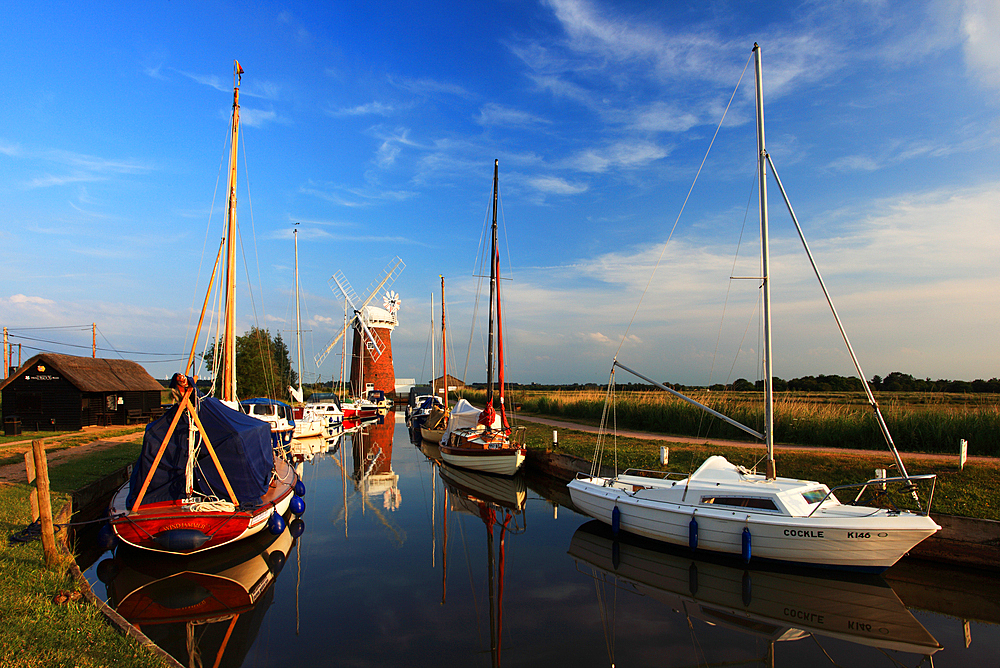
35	630
68	440
971	493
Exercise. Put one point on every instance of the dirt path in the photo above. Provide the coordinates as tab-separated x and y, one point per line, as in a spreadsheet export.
924	456
12	473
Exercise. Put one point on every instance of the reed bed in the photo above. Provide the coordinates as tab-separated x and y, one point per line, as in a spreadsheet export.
918	422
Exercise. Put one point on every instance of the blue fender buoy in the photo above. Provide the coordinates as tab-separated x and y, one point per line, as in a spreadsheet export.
107	571
297	527
747	588
300	488
275	523
746	545
275	562
297	505
693	533
616	520
106	538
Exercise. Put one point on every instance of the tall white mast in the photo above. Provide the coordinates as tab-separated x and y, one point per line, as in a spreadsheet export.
298	314
765	272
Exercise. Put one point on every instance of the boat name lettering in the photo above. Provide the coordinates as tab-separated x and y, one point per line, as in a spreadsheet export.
858	534
859	626
805	616
803	533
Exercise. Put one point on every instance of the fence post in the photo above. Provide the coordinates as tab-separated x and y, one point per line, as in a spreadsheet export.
44	503
963	452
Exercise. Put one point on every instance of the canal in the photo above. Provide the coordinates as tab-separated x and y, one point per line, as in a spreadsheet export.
404	562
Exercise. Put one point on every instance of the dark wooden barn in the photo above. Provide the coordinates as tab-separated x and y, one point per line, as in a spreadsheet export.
65	392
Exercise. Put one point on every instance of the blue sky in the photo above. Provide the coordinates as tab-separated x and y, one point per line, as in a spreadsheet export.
375	126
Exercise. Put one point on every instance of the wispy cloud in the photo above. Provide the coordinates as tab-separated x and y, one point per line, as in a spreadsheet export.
981	25
372	108
429	87
493	114
555	186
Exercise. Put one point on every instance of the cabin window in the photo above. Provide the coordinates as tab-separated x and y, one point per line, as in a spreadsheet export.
814	496
756	502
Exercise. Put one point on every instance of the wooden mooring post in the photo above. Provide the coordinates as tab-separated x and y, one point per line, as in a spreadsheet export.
44	503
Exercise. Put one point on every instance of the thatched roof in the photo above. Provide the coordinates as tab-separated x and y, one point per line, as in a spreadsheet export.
93	375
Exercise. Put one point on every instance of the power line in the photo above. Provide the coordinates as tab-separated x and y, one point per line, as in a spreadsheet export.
76	345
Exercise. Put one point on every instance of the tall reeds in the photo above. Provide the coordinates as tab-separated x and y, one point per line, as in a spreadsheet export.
917	423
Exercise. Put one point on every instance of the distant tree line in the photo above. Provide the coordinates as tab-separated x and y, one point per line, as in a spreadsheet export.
894	382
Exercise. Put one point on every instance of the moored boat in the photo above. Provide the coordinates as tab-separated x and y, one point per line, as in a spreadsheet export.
208	474
488	447
723	507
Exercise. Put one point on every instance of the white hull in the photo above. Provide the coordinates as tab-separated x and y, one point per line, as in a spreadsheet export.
504	461
835	535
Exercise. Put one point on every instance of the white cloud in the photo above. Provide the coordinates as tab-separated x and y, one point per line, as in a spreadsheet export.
981	25
556	186
499	115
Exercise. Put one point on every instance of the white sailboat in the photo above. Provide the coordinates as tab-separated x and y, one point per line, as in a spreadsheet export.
489	447
723	507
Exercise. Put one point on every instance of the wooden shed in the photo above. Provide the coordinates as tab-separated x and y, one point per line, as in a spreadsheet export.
65	392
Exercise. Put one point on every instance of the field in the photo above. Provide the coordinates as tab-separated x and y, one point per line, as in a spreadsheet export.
918	422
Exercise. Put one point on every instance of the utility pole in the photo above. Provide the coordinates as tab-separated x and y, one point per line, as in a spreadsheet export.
94	330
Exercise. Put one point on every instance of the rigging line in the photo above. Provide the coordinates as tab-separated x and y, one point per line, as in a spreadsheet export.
269	380
208	229
681	212
725	305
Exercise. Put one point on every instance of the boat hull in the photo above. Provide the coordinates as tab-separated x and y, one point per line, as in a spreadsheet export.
173	527
870	543
474	454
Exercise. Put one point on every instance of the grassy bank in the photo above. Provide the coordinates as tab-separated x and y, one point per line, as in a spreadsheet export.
918	423
37	631
970	493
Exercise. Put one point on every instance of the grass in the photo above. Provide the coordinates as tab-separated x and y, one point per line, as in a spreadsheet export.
61	442
970	493
36	631
918	422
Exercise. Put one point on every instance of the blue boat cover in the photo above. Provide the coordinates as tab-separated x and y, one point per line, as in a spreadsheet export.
242	443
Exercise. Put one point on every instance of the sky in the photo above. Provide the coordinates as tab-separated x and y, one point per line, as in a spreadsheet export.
626	139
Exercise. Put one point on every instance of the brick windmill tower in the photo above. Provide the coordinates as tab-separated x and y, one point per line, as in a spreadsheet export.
372	325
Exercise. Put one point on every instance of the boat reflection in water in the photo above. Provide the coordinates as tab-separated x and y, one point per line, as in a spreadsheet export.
499	502
204	609
778	605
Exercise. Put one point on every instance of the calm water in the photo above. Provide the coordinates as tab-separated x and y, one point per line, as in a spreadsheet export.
405	567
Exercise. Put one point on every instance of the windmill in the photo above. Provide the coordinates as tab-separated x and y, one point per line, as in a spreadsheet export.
366	321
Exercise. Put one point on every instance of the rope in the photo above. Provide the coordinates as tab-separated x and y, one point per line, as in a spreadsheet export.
681	212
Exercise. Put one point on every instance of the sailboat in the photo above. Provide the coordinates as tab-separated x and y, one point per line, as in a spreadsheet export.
436	423
487	446
207	474
311	426
722	507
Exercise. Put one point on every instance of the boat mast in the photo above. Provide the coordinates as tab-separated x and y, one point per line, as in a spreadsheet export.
298	314
433	365
444	349
493	286
765	272
229	332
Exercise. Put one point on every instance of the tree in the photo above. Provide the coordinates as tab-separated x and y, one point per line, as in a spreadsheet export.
263	365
